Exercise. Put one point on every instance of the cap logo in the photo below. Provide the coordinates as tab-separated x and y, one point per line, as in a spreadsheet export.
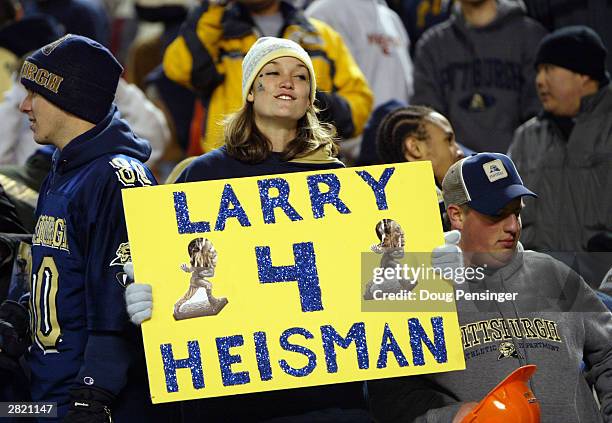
48	49
495	170
41	76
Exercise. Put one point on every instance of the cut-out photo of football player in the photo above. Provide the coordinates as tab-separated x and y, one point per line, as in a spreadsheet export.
391	247
198	300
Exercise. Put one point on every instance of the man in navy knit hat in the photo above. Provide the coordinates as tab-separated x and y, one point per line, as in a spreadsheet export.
82	350
564	153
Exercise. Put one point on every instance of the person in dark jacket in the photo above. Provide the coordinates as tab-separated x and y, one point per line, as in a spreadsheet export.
275	131
564	153
84	350
419	133
83	17
477	70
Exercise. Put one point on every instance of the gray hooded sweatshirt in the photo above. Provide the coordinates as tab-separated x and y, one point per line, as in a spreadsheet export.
482	78
555	322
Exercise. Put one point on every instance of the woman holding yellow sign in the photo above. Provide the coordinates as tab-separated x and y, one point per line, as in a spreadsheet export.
275	131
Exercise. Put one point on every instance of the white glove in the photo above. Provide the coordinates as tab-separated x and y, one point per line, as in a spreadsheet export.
138	298
449	255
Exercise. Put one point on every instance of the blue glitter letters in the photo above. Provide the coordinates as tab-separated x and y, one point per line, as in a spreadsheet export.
229	197
193	362
304	271
387	344
184	223
287	346
356	333
263	356
268	204
318	199
226	360
417	334
378	186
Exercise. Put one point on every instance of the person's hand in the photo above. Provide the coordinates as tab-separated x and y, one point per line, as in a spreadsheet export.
185	268
464	411
89	405
449	255
138	297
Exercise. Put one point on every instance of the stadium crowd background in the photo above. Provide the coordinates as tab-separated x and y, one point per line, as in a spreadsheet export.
401	80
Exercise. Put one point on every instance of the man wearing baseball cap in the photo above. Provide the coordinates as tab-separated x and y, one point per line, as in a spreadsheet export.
543	320
564	153
82	350
483	196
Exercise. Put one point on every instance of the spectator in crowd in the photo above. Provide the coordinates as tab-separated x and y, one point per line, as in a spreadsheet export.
476	69
368	151
555	14
378	41
144	69
147	50
275	131
9	11
82	17
22	184
555	321
20	35
420	15
9	216
8	15
564	153
418	133
209	50
82	353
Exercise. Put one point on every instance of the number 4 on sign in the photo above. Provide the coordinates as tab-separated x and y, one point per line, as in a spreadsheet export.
304	272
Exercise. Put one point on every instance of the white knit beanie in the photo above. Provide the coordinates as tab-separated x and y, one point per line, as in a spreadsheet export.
266	49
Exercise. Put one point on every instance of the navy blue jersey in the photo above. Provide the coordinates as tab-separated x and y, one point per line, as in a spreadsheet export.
78	250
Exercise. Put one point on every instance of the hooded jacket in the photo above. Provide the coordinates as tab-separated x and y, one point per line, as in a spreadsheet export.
78	251
481	78
555	321
207	57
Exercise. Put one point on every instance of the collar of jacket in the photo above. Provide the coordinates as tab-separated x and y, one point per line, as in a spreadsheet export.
321	155
589	102
237	21
564	125
111	136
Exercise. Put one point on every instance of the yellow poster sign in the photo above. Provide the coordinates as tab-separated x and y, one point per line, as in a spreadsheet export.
266	283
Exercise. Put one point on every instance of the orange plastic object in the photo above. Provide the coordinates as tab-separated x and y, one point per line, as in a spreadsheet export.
510	401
